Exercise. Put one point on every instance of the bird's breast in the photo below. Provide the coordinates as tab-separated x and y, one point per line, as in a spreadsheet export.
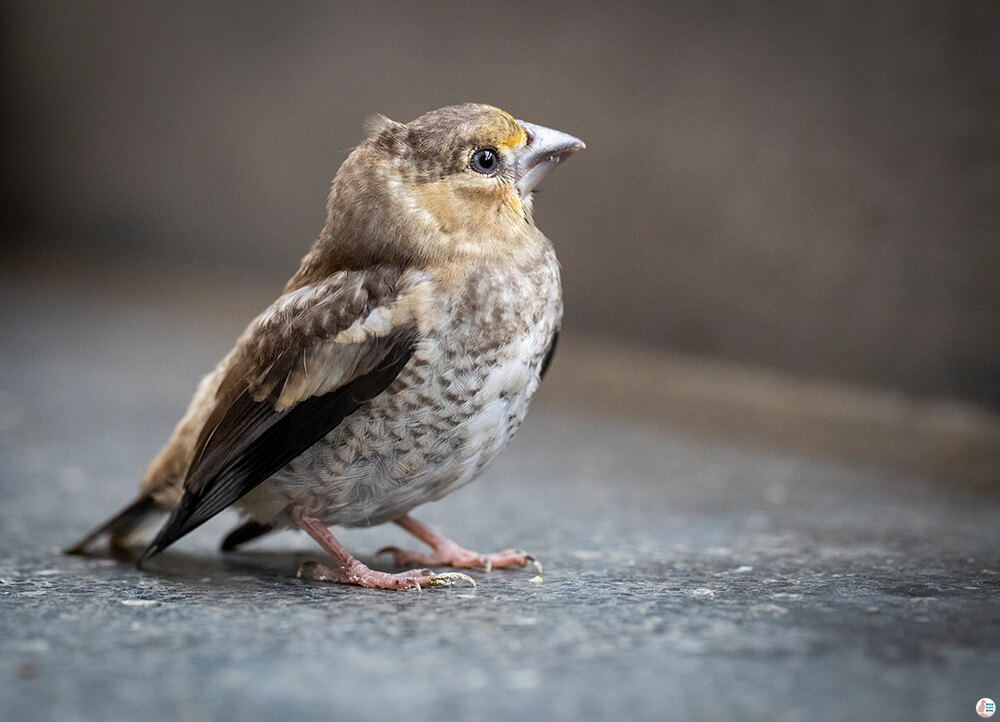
447	415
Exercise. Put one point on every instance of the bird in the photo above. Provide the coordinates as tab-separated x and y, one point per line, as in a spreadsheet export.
397	363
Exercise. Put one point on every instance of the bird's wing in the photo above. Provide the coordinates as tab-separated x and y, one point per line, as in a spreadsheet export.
301	367
549	353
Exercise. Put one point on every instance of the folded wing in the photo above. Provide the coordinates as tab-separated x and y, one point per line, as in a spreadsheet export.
309	361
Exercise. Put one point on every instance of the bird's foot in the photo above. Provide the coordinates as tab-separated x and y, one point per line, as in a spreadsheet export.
357	573
456	556
349	570
448	553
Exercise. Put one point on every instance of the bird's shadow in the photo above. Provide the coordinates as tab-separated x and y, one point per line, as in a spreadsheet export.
276	565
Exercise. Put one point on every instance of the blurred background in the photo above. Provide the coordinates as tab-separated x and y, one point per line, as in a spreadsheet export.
813	187
810	188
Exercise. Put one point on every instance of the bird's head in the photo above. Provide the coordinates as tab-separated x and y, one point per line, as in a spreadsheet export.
475	155
454	183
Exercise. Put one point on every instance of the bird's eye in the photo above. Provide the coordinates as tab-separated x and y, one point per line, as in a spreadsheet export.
485	161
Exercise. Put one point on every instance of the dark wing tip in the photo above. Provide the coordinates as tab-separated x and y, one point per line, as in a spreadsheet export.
151	550
177	526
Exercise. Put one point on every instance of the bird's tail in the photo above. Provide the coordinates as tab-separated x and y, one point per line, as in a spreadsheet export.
245	532
122	525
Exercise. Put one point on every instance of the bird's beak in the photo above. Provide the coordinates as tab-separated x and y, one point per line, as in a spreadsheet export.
543	152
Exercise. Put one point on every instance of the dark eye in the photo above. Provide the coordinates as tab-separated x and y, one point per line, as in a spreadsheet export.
485	161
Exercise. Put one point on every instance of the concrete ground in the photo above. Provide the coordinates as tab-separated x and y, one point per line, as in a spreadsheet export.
718	544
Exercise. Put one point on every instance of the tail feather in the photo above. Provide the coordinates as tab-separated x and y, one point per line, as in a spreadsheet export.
126	521
244	533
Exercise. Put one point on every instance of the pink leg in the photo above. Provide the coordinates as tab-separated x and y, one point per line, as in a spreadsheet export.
448	553
349	570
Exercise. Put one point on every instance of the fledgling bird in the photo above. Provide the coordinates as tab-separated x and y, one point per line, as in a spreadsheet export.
398	361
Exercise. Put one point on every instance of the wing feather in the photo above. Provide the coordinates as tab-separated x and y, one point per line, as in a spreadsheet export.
304	365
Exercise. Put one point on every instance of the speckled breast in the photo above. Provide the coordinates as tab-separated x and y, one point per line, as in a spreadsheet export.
448	414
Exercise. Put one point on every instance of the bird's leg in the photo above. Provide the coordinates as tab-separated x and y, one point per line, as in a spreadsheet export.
349	570
448	553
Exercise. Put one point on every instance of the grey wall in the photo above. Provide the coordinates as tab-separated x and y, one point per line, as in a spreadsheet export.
812	186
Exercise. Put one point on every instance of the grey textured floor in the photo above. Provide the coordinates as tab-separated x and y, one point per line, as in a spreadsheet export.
684	578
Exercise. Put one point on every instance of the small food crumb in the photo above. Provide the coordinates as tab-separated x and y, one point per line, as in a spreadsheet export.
536	580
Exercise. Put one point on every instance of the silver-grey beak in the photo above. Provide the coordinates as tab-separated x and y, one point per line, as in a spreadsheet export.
543	152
